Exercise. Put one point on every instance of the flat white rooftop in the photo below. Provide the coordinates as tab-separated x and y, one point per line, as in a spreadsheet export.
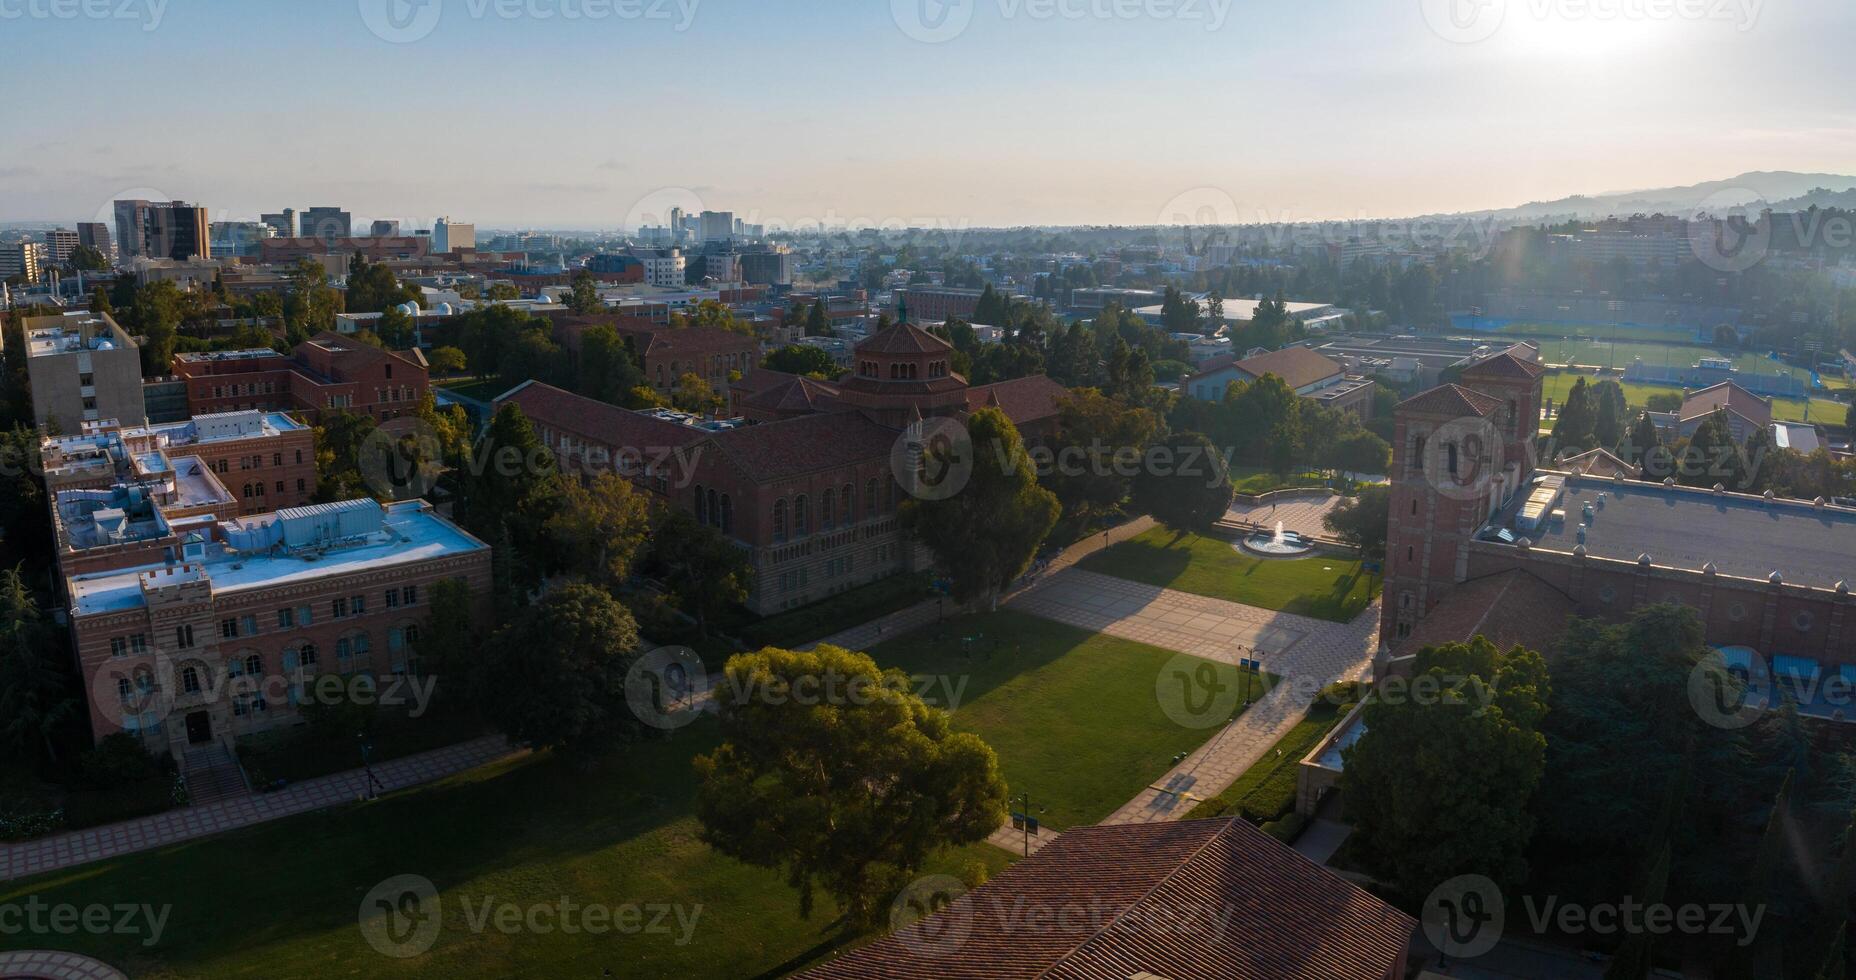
410	532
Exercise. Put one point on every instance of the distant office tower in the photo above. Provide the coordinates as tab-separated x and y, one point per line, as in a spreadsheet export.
722	266
384	229
132	228
284	221
172	230
718	226
61	242
771	268
24	261
327	223
450	236
96	234
178	231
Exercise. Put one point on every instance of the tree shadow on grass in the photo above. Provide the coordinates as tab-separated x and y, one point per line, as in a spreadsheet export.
1004	646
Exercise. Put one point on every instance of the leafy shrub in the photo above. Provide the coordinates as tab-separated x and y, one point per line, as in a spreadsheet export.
1286	828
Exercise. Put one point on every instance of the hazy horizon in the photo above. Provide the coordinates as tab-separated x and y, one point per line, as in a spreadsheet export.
1035	112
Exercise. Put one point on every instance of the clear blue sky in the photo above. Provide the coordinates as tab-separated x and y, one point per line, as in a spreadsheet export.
1038	111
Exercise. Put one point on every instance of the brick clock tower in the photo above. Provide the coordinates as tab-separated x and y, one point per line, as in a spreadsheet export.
1460	452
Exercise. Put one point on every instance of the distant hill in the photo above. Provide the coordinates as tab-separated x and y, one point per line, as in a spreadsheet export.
1781	189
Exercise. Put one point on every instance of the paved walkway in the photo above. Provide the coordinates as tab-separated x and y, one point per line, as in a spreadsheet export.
186	823
867	635
1300	513
1306	653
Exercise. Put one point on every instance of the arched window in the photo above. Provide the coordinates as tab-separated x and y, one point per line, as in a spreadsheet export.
870	497
702	512
254	665
779	520
728	515
190	680
715	509
307	655
849	496
825	510
800	518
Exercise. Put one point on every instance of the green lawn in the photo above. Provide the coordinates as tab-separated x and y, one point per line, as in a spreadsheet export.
1073	715
1254	480
281	899
1324	586
1674	334
1823	410
1267	789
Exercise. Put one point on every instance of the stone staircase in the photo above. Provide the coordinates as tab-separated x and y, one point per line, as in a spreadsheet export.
212	774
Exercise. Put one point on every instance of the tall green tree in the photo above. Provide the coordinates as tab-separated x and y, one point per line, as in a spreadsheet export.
1440	786
848	793
601	527
1184	482
567	693
583	294
1096	452
704	570
1573	428
1361	521
35	689
985	535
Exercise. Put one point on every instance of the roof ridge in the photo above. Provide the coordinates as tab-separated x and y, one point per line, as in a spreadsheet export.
1144	896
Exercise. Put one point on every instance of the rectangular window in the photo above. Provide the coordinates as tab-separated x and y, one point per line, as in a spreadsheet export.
183	637
119	646
286	618
138	643
248	625
338	608
412	595
228	629
393	598
359	604
303	616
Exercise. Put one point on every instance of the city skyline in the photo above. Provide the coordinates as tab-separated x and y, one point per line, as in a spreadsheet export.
582	123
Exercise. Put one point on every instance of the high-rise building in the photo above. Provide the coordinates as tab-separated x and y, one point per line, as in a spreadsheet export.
174	230
178	231
60	243
284	221
451	236
676	225
718	226
384	229
96	234
326	223
25	261
774	267
82	368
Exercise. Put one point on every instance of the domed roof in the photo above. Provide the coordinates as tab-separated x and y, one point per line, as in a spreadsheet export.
904	338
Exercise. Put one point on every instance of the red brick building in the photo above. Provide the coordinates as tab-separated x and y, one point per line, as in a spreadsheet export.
1478	536
806	481
327	373
267	460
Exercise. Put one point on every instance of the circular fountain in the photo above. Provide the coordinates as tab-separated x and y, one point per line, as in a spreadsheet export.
1282	544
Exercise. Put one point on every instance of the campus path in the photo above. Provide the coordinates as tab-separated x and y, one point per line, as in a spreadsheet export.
867	635
1308	654
187	823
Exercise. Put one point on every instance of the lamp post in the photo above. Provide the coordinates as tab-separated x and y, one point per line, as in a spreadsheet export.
1026	820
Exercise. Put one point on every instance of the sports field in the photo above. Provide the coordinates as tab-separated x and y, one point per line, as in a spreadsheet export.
1667	333
1823	410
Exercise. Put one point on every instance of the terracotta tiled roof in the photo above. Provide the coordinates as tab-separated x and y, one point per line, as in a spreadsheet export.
776	450
795	394
904	338
1730	396
349	353
595	420
1509	607
1180	899
687	341
1026	399
1450	399
1505	365
1298	367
